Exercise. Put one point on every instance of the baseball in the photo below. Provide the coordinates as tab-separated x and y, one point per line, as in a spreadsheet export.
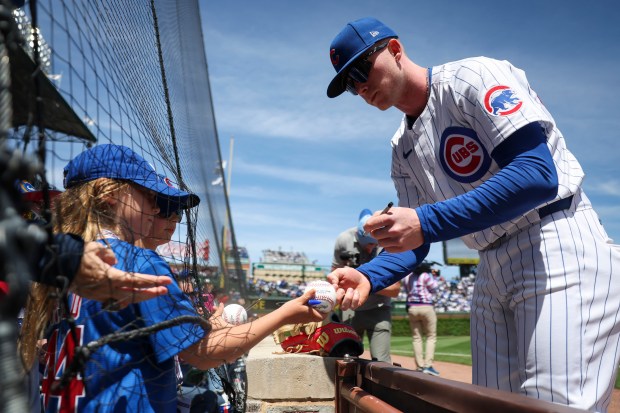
325	294
235	314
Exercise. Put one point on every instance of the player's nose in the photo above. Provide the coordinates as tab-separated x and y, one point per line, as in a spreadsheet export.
362	89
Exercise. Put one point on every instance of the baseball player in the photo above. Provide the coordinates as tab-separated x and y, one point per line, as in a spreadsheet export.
478	156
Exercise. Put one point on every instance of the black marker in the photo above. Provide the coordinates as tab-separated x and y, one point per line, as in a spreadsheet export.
387	208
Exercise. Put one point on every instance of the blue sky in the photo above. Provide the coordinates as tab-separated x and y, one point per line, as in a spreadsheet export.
304	165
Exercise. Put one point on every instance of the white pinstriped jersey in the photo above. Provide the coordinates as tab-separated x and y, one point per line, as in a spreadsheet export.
546	304
474	104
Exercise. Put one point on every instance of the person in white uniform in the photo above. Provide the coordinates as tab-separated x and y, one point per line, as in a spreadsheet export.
478	156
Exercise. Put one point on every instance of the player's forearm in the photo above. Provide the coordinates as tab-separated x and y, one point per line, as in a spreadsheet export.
389	268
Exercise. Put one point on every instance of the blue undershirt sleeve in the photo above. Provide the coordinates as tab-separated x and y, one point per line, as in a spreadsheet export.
387	268
527	179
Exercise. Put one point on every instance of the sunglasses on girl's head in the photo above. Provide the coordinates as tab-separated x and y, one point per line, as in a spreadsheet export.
360	69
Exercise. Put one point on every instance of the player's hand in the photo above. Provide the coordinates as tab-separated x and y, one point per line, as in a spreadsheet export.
298	311
352	287
397	230
96	279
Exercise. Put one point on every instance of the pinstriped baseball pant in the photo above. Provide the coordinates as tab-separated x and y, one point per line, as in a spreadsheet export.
545	316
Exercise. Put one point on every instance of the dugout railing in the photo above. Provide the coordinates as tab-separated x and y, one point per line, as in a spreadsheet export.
377	387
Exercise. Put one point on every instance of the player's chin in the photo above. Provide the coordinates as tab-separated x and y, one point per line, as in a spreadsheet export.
379	103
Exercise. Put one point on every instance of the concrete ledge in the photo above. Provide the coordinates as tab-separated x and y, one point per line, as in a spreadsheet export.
255	406
288	381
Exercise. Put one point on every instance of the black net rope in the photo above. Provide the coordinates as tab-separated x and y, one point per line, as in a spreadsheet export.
134	74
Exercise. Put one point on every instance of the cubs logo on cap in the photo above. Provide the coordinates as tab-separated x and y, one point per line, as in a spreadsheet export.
168	182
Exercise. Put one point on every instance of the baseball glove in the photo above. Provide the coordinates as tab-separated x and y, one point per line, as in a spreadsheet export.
328	339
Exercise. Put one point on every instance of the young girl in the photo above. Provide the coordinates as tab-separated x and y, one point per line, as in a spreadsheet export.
112	195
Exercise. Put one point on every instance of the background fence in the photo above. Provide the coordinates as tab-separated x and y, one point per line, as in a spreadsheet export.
74	74
130	73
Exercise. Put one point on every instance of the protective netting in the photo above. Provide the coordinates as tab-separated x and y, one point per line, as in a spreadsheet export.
134	73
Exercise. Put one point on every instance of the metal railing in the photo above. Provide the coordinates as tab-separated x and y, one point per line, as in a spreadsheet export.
378	387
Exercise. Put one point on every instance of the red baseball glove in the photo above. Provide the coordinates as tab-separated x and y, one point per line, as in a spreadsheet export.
328	339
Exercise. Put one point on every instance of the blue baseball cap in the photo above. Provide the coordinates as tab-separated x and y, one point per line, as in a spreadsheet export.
362	237
352	42
120	162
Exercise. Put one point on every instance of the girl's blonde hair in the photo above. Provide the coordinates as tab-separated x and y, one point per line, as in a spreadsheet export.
83	210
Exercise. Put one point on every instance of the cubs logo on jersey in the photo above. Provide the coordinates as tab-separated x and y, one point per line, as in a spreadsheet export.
462	155
501	101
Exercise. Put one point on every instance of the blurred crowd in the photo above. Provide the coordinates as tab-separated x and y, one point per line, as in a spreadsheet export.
288	257
452	296
280	288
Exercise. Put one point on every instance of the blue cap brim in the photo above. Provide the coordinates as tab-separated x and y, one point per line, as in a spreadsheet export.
338	84
169	198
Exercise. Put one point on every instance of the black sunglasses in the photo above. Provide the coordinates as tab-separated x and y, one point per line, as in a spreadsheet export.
360	69
168	214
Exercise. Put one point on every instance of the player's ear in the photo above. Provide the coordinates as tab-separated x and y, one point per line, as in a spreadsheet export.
395	48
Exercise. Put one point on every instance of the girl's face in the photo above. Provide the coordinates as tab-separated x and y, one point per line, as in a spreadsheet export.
137	209
162	230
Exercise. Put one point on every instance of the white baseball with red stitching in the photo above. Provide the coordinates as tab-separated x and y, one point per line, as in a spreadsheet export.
235	314
325	293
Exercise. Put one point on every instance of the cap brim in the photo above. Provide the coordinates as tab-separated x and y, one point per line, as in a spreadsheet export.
338	85
169	196
168	205
365	213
